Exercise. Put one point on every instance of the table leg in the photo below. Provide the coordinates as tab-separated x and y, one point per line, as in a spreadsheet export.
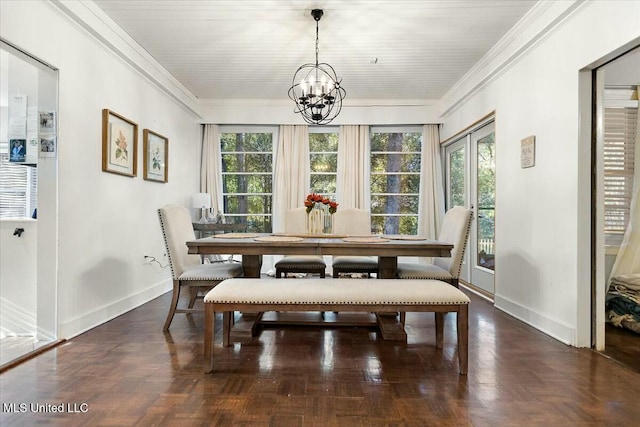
251	265
387	267
249	324
390	327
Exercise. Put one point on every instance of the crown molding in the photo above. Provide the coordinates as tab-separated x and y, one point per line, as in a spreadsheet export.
98	24
534	26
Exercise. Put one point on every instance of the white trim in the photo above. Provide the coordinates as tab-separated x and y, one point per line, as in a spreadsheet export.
97	23
87	321
532	28
16	321
555	329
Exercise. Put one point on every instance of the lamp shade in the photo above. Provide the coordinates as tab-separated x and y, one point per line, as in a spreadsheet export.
201	200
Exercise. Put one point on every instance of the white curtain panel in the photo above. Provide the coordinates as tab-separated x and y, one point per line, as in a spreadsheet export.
431	209
291	176
353	182
628	259
211	166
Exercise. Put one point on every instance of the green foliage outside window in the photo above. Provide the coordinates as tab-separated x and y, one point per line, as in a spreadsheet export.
456	178
486	187
247	179
395	182
323	156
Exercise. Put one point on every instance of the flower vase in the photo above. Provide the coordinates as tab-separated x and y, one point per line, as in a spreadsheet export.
315	221
328	223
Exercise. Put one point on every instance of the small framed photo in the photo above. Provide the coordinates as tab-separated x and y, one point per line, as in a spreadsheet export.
119	144
156	156
528	152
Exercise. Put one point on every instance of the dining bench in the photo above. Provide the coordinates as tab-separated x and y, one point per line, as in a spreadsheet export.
313	294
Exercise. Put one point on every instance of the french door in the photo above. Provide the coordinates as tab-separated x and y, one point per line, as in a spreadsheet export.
470	182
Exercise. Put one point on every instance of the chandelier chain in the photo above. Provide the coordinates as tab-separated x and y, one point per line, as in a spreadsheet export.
317	42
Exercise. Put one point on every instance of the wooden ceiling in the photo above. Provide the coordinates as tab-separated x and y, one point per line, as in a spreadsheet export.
382	50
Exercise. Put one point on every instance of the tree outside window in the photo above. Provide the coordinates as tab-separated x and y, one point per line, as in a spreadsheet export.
247	179
323	153
395	181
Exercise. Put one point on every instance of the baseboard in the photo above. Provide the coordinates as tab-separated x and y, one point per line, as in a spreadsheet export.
560	331
15	320
87	321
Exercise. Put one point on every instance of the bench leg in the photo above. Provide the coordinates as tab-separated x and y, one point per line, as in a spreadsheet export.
209	330
463	338
227	321
439	329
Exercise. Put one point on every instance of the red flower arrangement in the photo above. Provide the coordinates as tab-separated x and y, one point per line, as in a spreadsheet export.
314	198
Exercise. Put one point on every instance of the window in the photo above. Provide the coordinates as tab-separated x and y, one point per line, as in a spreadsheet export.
619	148
323	154
247	178
395	180
18	187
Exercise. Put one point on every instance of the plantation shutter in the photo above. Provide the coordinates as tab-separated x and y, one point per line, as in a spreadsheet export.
18	189
619	148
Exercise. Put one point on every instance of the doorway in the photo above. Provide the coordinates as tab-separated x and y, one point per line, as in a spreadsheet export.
470	181
616	160
28	188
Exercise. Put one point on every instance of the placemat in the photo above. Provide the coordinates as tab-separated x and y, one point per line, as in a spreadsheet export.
235	235
278	239
403	237
365	239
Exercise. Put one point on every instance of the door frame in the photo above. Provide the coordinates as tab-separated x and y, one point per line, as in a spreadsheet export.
465	137
478	275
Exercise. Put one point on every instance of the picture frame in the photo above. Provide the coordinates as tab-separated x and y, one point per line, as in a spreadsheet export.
119	144
155	156
528	152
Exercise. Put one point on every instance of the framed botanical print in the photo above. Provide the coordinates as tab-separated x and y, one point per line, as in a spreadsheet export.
119	144
156	156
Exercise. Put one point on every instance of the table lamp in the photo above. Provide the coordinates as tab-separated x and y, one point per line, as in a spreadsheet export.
201	201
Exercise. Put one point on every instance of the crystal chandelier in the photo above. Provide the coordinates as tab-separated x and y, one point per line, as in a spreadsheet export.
316	89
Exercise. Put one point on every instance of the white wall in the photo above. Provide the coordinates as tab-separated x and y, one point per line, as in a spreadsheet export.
18	278
542	253
105	222
354	112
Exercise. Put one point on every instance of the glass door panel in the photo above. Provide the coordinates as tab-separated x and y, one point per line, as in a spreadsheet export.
457	174
470	181
483	194
486	195
457	184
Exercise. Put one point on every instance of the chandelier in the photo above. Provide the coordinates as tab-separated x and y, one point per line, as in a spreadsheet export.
316	89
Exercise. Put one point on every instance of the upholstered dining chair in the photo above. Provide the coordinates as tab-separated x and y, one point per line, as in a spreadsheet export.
187	270
455	229
294	222
355	222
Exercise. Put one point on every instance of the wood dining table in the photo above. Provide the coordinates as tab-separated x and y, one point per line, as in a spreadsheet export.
252	247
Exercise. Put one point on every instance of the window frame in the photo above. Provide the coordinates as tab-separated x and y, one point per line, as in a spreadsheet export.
404	130
249	129
324	130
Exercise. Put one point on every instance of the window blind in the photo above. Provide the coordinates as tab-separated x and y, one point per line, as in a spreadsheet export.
18	189
619	150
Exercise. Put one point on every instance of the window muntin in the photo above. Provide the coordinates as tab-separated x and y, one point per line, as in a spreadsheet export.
395	181
247	178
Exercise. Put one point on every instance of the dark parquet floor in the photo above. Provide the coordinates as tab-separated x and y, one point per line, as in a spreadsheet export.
623	345
128	372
